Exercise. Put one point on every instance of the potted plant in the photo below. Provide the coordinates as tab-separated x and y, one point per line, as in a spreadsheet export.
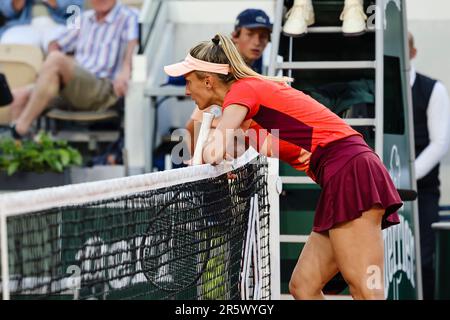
38	163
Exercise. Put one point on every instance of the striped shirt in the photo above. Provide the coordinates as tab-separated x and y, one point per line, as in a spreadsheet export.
100	46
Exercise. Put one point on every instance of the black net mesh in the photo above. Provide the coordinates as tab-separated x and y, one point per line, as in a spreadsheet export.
199	240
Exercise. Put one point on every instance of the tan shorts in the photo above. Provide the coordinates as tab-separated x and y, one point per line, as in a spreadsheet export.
85	92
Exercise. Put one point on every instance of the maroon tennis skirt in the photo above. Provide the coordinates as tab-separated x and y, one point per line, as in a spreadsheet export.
353	180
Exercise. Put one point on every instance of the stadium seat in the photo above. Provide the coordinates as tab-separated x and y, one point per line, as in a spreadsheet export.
85	116
89	127
20	64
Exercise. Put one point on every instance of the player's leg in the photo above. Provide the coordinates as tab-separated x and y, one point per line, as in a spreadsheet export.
358	250
315	267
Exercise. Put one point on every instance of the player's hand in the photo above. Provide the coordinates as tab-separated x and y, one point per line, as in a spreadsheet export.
229	162
231	176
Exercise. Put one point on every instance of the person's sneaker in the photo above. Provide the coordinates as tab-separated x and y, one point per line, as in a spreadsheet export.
299	17
14	133
10	132
353	18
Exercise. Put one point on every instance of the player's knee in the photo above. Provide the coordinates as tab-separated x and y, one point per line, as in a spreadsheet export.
294	288
302	287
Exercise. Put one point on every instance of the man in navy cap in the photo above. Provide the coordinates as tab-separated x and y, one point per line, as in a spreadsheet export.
251	35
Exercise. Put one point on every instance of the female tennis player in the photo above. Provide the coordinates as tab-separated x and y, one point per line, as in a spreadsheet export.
358	197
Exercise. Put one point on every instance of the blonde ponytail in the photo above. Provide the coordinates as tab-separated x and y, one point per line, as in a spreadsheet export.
222	50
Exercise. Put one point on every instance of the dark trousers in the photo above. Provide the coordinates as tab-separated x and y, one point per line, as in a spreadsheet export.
5	94
428	200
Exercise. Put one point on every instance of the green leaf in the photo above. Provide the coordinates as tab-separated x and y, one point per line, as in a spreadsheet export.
59	166
7	146
12	168
54	163
77	159
65	157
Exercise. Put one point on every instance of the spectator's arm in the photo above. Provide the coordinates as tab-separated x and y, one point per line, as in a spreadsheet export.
130	31
126	63
438	114
121	80
130	36
66	42
11	8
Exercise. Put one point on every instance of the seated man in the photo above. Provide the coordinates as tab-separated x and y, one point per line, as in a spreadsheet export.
36	22
94	79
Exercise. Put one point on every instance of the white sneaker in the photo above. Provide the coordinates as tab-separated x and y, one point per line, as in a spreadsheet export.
299	17
354	18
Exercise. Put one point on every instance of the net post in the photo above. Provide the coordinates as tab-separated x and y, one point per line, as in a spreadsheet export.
4	256
274	187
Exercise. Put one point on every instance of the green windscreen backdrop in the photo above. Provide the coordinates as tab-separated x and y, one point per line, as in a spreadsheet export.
401	280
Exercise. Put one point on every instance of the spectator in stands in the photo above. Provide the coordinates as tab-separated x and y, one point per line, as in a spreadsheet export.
431	110
251	36
96	77
301	15
37	22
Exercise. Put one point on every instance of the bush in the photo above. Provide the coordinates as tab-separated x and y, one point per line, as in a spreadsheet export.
42	154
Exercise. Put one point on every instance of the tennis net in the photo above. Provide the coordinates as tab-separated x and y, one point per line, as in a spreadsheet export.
193	233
